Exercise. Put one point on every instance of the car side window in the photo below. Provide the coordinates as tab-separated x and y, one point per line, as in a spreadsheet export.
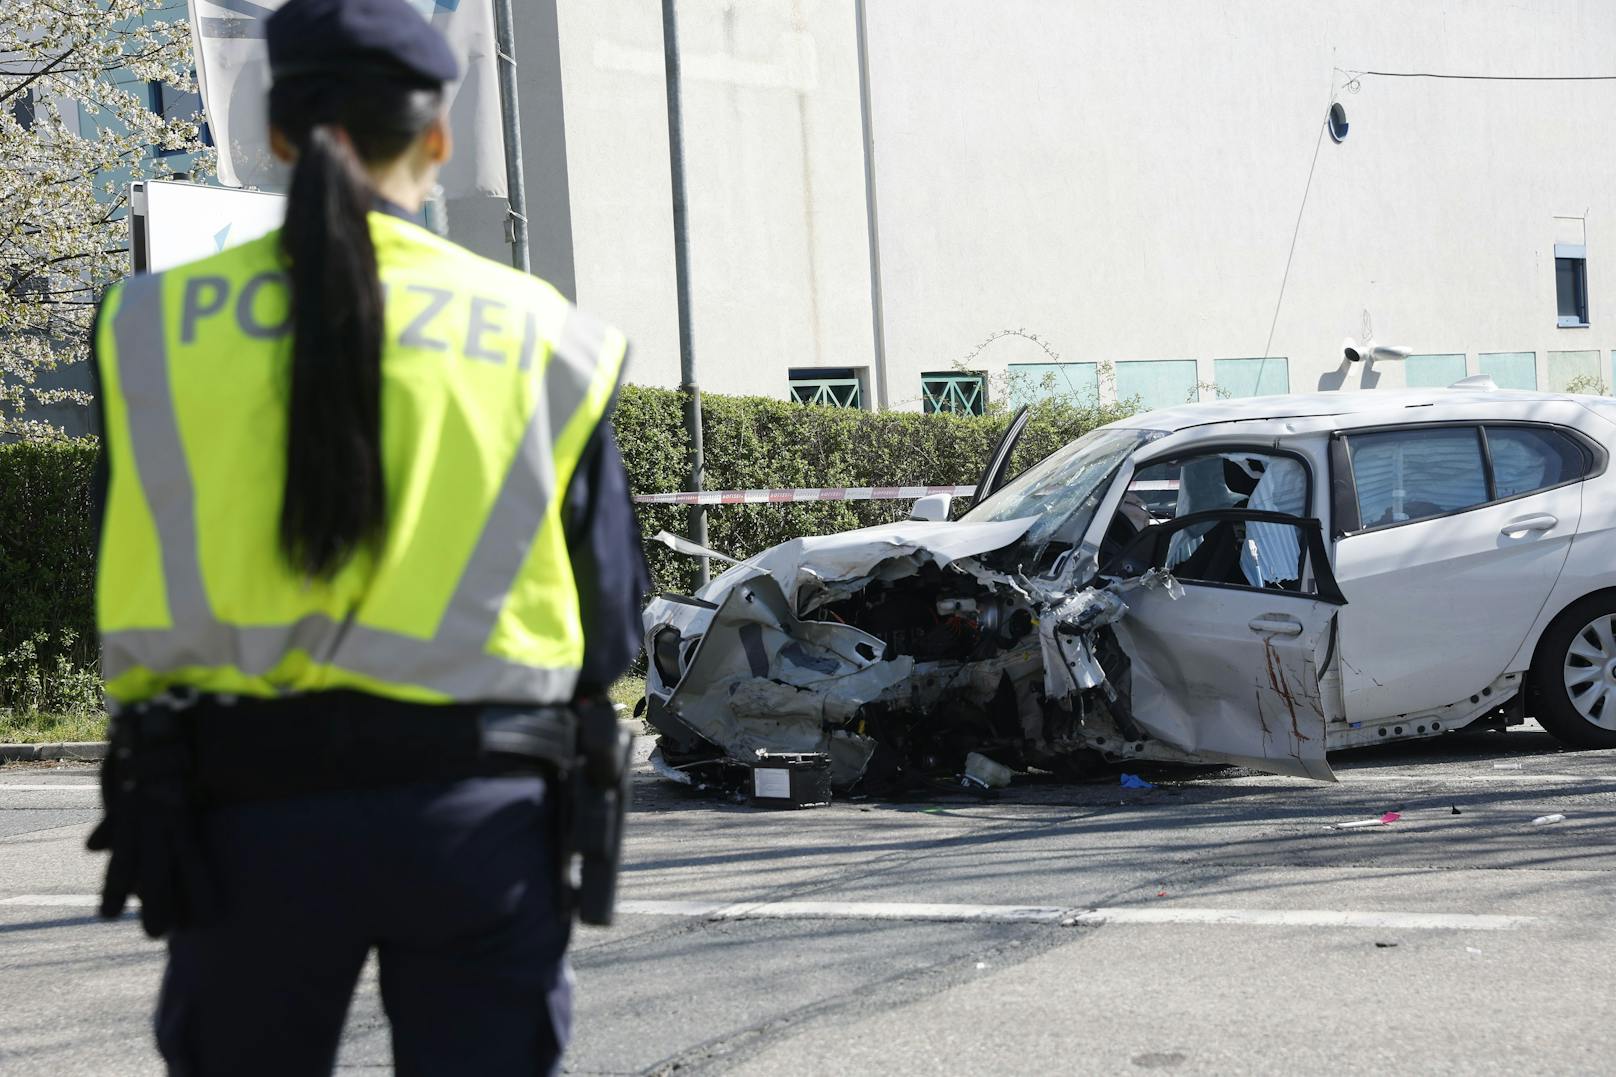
1527	458
1227	550
1405	475
1230	550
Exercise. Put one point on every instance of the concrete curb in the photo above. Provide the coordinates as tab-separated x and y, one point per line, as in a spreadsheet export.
79	751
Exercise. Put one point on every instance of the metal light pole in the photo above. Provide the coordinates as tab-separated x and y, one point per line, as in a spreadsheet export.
436	211
681	271
511	113
872	221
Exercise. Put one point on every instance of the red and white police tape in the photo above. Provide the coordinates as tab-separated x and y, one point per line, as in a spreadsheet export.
786	496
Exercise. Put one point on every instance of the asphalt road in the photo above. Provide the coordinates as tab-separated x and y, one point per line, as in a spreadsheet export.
1214	924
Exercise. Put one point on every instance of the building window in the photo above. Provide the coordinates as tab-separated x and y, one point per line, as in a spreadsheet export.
1571	284
1575	372
1252	377
1509	370
1028	382
836	387
959	394
25	110
1435	371
175	104
1158	383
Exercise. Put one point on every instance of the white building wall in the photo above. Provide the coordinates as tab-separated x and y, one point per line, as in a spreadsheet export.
774	180
1122	181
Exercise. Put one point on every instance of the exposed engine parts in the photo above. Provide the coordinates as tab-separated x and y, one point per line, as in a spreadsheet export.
934	615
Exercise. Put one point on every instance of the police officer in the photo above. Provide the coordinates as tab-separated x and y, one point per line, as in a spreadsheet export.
368	563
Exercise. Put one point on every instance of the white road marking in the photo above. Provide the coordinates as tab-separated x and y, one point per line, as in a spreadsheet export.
1396	921
1349	778
1011	914
998	914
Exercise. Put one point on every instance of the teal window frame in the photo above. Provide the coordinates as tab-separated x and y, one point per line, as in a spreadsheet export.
835	387
955	392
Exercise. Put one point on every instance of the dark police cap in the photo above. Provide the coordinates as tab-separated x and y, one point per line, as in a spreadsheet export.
324	37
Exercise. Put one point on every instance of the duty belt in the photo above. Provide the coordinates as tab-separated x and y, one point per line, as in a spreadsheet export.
341	741
170	762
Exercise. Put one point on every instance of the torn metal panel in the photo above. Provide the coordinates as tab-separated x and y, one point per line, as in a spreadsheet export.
1229	675
763	680
1066	633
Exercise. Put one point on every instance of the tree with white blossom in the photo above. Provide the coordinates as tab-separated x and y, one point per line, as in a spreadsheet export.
76	125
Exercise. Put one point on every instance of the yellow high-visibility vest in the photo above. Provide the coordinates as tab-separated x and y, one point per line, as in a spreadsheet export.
492	385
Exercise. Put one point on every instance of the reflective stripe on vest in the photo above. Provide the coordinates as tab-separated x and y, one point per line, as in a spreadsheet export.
453	661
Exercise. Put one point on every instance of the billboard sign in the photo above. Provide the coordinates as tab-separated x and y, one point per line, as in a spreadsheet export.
173	223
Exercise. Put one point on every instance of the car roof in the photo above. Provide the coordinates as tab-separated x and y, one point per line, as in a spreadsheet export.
1366	407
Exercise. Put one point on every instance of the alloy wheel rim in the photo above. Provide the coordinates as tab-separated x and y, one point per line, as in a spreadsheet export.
1590	671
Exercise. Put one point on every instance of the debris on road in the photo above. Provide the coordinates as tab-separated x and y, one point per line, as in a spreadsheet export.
1542	819
1391	817
984	773
790	780
1134	781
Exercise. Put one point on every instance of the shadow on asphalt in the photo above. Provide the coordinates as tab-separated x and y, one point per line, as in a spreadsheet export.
1196	820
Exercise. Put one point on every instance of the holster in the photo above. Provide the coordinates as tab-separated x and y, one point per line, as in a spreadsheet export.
587	752
601	787
152	823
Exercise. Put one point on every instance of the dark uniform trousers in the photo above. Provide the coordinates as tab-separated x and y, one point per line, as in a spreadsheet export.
453	885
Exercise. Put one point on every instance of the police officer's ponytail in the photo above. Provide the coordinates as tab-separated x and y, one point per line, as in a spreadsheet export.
335	501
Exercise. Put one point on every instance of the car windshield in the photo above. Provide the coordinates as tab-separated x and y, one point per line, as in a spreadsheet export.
1065	488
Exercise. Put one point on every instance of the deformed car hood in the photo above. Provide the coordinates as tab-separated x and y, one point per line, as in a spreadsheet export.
847	561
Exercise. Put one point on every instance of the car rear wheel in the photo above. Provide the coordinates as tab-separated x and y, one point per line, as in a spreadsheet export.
1574	674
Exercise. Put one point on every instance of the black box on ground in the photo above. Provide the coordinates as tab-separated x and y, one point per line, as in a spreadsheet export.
791	780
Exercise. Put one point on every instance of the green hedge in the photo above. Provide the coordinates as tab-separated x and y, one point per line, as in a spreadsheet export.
47	568
46	535
752	442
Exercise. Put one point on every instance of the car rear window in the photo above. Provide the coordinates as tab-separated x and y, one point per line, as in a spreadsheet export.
1527	458
1404	475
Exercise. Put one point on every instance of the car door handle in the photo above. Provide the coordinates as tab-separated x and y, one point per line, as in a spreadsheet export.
1538	521
1276	624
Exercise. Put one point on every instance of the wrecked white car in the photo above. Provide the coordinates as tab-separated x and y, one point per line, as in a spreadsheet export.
1253	582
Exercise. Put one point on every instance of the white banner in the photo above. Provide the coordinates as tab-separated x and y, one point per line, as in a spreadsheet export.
232	64
174	223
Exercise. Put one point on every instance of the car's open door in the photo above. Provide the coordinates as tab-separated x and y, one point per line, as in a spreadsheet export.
1226	668
994	475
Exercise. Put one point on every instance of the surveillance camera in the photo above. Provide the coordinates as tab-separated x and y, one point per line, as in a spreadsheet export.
1358	353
